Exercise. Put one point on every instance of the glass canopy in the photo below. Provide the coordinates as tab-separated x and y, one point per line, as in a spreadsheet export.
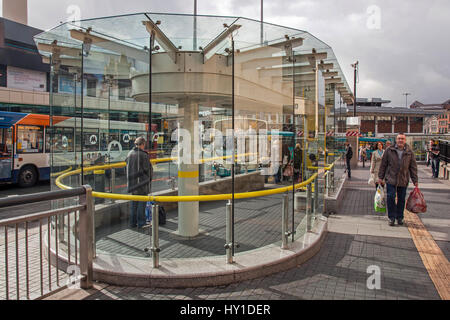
277	87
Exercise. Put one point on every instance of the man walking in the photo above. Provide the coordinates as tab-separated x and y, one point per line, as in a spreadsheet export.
348	157
435	159
139	179
397	166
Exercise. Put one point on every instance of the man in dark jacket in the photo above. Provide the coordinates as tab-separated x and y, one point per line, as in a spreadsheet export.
397	166
298	154
348	157
139	179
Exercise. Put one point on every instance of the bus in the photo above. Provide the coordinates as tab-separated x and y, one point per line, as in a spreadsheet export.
24	157
26	141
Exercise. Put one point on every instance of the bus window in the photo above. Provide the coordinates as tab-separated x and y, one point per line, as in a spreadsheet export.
30	139
5	142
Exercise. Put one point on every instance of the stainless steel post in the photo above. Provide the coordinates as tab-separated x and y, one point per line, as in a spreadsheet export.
316	196
284	221
229	244
308	208
155	236
86	238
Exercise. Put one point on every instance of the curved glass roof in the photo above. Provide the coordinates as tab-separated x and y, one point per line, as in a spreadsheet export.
130	31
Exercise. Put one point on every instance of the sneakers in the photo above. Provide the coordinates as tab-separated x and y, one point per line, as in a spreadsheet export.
391	222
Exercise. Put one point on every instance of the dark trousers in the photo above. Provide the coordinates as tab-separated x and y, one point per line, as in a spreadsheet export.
137	214
349	170
395	210
435	167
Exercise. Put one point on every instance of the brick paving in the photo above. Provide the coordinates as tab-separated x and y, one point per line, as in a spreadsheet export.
338	271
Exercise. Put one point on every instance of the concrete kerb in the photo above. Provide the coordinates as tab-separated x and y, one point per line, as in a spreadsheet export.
205	271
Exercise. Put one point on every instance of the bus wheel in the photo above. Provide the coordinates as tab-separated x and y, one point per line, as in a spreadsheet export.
27	177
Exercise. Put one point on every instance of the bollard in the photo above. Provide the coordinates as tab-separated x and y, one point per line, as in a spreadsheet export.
229	244
155	236
284	221
308	208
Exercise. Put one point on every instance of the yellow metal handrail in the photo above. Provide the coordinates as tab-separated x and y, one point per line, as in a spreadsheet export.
228	196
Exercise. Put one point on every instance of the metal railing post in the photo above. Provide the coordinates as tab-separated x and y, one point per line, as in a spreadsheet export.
229	244
327	183
316	196
308	207
155	236
86	227
284	221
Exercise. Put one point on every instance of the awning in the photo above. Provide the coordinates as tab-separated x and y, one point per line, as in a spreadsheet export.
9	119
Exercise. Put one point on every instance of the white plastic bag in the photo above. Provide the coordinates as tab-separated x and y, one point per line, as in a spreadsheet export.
379	200
371	180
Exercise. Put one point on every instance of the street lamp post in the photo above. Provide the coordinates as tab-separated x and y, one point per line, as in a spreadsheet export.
355	67
406	95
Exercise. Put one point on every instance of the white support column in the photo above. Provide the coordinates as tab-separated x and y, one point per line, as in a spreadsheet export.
409	124
376	125
393	124
188	175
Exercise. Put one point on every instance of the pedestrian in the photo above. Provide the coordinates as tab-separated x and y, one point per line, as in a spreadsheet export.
364	155
397	166
139	179
435	159
388	143
298	153
375	162
348	157
287	163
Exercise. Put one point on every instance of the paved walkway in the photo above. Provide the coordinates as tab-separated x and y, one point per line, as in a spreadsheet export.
358	240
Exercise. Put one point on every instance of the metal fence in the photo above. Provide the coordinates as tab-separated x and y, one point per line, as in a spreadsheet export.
32	244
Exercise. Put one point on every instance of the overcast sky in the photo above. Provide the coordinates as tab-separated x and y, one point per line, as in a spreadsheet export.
402	45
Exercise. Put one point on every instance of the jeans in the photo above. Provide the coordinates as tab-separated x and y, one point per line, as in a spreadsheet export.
395	210
349	170
435	167
137	214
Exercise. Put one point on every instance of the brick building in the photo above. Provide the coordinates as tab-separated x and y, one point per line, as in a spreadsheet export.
437	123
377	120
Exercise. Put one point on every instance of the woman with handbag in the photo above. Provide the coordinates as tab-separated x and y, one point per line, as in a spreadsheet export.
375	163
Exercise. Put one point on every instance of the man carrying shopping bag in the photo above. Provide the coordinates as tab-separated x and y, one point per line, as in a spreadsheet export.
397	166
139	179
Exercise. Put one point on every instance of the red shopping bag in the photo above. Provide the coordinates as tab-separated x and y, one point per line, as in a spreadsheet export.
416	202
